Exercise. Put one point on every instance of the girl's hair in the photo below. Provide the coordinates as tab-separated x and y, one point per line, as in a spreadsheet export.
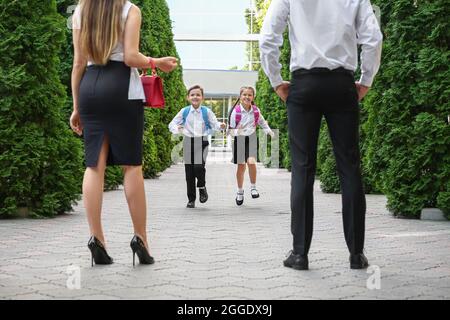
101	28
239	100
195	88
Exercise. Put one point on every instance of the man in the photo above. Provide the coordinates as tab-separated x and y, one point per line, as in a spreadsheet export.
324	35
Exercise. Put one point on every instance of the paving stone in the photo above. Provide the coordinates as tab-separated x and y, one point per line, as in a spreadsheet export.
221	251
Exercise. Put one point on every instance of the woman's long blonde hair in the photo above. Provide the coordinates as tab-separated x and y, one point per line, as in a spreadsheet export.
100	28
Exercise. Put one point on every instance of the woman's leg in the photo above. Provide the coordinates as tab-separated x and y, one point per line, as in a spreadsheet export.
93	183
135	194
240	175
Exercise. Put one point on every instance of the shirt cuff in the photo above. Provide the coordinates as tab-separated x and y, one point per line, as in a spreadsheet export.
275	81
174	129
366	81
267	131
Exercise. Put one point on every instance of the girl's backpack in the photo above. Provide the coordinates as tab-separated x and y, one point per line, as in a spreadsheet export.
238	112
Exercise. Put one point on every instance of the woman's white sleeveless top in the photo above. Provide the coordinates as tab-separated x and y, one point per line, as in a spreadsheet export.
136	90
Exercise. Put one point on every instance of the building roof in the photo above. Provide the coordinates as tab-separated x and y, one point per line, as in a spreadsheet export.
220	83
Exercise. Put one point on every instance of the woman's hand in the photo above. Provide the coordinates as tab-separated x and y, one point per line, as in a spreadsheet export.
75	123
166	64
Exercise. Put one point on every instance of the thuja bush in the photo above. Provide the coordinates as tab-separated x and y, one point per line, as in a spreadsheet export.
40	159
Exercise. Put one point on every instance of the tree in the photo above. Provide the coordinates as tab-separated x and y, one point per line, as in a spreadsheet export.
409	146
40	159
157	41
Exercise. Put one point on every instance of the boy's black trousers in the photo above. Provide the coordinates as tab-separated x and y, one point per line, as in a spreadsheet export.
195	152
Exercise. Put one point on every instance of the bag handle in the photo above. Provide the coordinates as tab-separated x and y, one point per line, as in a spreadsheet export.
153	67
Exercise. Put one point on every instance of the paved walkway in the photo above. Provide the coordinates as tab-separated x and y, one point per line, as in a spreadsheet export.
220	251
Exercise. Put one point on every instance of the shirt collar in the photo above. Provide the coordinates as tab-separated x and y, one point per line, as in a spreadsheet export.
243	109
199	109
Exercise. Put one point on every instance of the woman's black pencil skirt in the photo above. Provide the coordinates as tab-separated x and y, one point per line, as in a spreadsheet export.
105	110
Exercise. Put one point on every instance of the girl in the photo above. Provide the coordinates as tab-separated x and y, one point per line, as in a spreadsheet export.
195	122
108	110
244	117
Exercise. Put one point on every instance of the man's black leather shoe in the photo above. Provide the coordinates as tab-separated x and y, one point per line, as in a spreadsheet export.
358	261
296	261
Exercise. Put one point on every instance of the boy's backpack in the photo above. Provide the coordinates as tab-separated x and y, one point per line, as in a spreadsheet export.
204	110
239	114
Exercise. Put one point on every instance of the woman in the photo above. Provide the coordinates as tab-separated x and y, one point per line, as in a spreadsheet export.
108	110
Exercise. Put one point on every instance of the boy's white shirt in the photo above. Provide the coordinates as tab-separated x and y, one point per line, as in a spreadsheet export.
195	125
246	126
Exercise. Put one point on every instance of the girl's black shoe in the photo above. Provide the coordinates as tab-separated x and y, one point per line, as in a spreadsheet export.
138	247
98	252
240	198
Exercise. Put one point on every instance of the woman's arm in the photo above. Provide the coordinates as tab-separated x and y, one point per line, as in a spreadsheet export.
133	58
78	69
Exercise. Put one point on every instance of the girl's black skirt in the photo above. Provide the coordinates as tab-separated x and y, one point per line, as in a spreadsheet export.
245	147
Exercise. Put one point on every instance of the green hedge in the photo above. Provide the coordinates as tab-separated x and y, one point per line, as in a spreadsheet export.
40	160
273	109
157	41
409	148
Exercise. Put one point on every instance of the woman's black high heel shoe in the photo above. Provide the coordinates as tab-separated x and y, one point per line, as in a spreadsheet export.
98	252
138	247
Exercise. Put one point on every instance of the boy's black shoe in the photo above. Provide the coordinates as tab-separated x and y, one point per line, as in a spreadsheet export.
191	204
203	195
296	261
358	261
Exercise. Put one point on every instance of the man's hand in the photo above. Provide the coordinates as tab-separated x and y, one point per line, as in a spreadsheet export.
283	90
362	90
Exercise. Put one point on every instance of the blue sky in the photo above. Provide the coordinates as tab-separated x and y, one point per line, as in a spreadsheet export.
210	17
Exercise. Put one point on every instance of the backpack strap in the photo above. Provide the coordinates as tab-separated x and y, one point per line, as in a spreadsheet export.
238	115
186	113
205	117
256	113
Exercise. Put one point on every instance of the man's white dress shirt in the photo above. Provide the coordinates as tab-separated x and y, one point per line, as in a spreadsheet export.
323	34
